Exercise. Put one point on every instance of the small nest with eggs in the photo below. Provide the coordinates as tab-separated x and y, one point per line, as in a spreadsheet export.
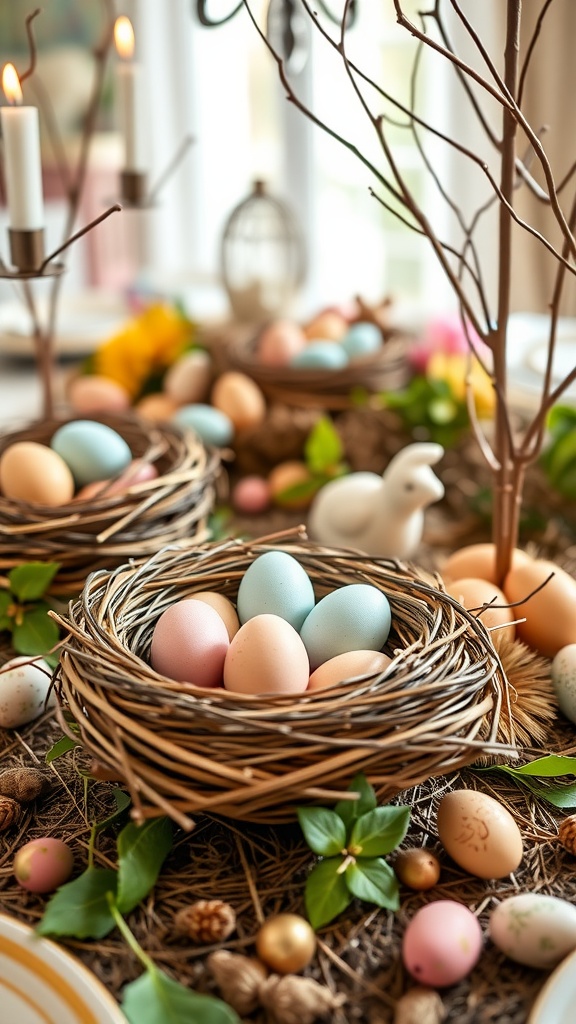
322	388
108	530
181	750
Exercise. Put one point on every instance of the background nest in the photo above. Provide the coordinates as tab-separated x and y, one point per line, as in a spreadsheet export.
108	531
182	750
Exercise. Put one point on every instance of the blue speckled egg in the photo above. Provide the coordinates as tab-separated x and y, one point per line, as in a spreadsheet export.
92	450
355	617
276	584
362	339
211	425
326	355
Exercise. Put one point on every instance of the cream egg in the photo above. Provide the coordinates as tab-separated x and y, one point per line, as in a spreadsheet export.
534	929
347	666
479	833
564	680
188	379
266	656
33	472
240	399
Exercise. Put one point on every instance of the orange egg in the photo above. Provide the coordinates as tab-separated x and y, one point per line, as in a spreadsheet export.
477	561
347	666
221	604
550	614
472	593
285	476
96	393
33	472
157	408
240	399
329	325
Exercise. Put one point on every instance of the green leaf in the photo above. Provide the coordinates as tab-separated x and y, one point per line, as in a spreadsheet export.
142	850
299	492
323	447
80	907
324	830
559	796
62	746
379	831
326	893
6	621
154	998
549	766
373	880
37	634
349	810
31	580
563	454
123	801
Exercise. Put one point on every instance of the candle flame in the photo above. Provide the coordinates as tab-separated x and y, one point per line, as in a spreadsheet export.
11	84
124	37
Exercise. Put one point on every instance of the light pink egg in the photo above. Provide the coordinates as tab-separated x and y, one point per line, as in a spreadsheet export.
189	643
279	343
138	472
268	656
43	864
442	943
251	495
96	393
346	666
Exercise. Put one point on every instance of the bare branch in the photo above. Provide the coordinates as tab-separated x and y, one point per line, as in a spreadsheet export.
530	50
31	45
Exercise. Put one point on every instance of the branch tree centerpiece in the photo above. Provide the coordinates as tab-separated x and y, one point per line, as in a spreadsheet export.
509	158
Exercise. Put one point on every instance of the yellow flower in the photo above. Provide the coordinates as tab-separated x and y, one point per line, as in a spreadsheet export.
144	348
453	369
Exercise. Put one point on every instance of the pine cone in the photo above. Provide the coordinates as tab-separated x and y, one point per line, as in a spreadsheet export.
10	811
206	921
22	784
567	833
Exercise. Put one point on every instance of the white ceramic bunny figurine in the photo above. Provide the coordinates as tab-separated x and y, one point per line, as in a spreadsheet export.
383	515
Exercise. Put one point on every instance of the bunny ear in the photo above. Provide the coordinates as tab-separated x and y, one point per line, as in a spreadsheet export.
421	453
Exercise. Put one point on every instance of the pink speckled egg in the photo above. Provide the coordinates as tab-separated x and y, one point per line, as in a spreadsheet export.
189	643
251	495
44	864
442	943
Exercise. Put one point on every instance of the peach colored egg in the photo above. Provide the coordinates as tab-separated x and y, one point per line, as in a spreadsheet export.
328	324
279	343
479	833
442	943
477	561
473	592
283	477
157	408
550	616
188	380
95	393
346	666
251	494
239	398
267	656
221	604
189	643
33	472
138	472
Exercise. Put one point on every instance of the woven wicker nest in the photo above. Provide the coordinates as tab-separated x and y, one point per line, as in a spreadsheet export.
104	532
182	750
386	370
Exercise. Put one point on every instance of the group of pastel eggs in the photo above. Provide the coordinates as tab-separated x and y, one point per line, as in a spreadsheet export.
443	940
83	458
327	342
277	639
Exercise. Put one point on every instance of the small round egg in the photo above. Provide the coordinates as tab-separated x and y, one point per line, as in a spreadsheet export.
550	621
355	617
323	355
417	868
266	656
212	425
477	561
32	472
43	864
328	323
534	929
156	408
286	943
275	583
279	342
442	943
289	475
188	379
473	593
189	643
221	604
92	450
251	494
240	399
564	680
95	393
25	691
348	666
479	833
363	338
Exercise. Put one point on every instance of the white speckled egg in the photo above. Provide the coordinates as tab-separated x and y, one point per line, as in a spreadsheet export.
353	618
211	425
534	929
564	680
24	687
325	355
275	584
92	450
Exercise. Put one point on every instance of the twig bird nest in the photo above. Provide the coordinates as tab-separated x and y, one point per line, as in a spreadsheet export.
107	530
182	750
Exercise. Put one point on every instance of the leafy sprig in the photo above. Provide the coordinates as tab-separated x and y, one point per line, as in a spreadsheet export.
352	840
324	460
549	767
24	608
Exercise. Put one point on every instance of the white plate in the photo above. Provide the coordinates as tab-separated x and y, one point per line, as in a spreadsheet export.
84	320
527	351
40	983
555	1003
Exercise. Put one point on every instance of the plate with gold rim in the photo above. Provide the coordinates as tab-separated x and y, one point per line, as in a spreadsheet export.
556	1000
41	983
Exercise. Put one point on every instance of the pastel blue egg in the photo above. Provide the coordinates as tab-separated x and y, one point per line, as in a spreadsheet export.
211	425
92	450
355	617
326	355
276	584
362	339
